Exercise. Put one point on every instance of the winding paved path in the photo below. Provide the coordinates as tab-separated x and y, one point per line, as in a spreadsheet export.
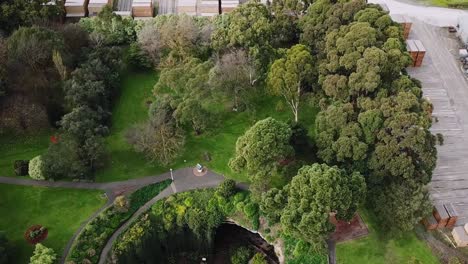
184	180
187	181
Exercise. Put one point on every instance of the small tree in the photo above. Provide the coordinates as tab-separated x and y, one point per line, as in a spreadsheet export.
36	168
43	255
315	192
227	188
159	142
288	76
232	75
262	146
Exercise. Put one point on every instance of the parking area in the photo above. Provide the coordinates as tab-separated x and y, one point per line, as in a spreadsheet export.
446	86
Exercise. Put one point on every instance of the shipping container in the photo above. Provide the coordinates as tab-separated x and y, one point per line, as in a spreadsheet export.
421	53
453	215
142	8
76	8
96	6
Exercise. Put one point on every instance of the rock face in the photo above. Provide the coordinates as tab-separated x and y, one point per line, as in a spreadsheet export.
277	245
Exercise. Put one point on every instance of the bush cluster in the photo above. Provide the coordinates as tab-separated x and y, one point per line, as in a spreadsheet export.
90	242
200	211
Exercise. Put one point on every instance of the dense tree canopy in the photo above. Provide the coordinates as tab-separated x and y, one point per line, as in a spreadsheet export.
314	193
262	147
16	13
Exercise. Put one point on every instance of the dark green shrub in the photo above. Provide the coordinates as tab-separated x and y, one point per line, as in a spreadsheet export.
137	58
250	209
241	255
227	188
258	258
239	197
21	167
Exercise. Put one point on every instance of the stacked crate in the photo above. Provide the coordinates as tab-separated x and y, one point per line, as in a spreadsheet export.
421	53
76	8
453	215
208	8
416	50
405	23
142	8
460	235
440	215
188	7
443	215
229	5
96	6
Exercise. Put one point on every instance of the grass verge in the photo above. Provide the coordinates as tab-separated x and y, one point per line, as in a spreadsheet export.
377	247
60	210
20	148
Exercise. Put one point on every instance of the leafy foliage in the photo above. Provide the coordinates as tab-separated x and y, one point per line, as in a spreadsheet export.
43	255
96	233
36	168
314	193
288	76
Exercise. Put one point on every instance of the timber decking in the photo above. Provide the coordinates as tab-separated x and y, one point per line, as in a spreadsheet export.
445	85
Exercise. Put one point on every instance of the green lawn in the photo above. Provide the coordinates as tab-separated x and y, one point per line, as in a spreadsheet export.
447	3
20	147
60	210
219	142
377	248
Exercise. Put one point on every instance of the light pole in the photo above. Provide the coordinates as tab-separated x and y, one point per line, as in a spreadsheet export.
172	176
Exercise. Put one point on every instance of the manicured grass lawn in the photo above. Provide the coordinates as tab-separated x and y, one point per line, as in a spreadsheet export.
219	142
378	248
60	210
445	3
20	147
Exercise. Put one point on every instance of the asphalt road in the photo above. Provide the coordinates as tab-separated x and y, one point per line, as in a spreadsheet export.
436	16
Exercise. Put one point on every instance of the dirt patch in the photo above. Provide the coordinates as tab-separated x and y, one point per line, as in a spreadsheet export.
353	229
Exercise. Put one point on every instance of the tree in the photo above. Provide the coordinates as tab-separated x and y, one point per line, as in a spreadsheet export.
262	147
248	27
3	67
314	193
190	112
160	143
339	137
324	16
406	204
16	13
272	203
233	75
62	159
43	255
227	188
175	38
83	122
30	50
107	28
288	76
